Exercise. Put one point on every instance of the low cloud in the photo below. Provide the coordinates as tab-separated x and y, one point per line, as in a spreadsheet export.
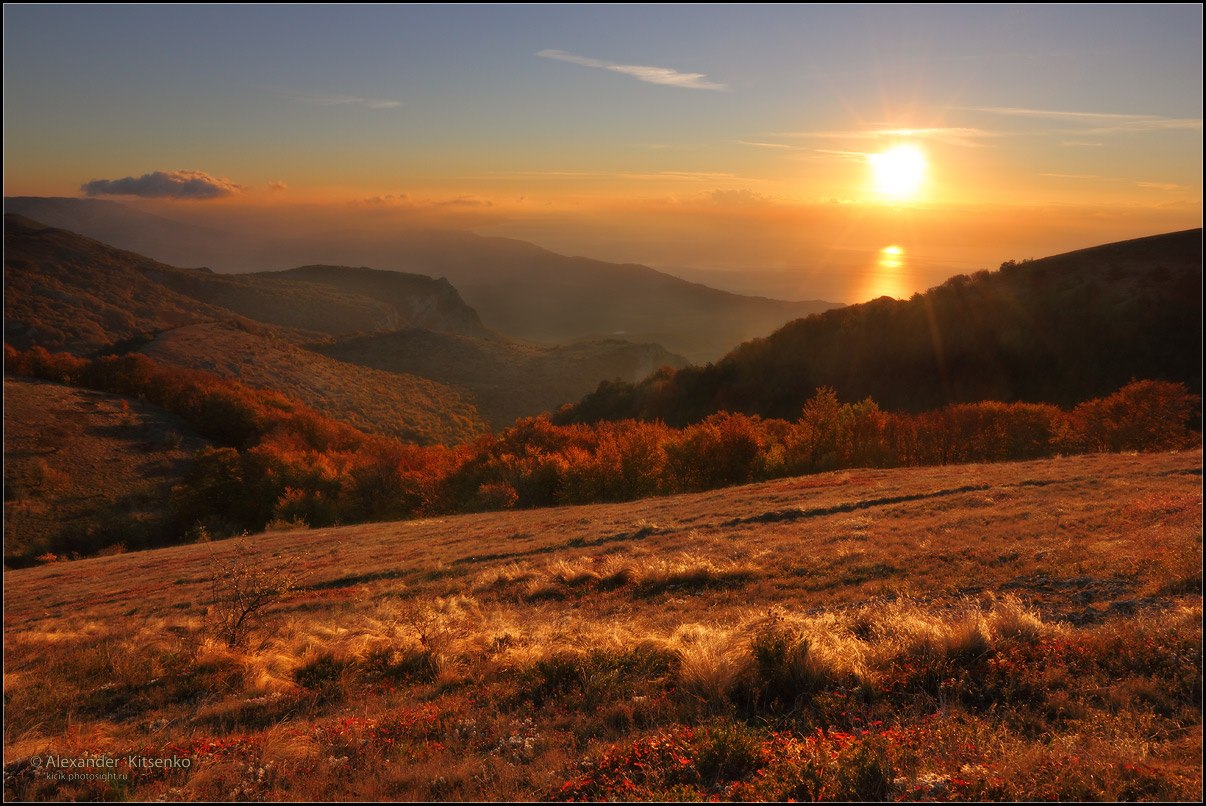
654	75
404	200
739	198
277	187
464	201
386	200
196	185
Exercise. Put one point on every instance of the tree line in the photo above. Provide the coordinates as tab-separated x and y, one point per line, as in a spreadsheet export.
275	461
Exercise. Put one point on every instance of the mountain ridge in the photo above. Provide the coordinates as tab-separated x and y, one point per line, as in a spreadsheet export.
518	288
1059	329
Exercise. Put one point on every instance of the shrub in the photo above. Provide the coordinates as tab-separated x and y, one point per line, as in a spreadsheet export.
322	675
726	751
864	772
401	666
785	668
1142	416
242	588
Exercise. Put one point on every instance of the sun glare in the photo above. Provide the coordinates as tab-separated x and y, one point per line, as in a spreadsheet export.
899	171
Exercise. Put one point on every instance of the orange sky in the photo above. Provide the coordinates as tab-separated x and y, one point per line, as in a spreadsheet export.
734	139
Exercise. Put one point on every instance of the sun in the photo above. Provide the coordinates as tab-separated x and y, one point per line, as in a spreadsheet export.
899	172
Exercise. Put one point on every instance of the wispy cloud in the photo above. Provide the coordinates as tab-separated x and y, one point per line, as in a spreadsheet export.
687	176
1081	144
951	135
1098	178
1081	176
851	156
654	75
782	146
196	185
345	100
1096	122
546	174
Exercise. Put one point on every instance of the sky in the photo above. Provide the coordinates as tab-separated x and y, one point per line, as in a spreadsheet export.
740	143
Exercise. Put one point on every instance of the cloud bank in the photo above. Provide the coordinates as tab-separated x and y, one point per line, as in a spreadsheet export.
654	75
196	185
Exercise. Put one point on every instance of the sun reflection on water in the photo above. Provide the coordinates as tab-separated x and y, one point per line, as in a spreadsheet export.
890	276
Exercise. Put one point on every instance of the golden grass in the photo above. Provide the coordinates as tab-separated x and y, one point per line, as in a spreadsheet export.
86	471
642	575
508	655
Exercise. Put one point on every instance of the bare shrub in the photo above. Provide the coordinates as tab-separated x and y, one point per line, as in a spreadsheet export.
439	626
242	587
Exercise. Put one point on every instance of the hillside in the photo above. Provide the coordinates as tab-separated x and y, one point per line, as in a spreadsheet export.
86	471
67	291
1012	631
62	291
507	378
408	407
1060	330
518	288
418	301
534	294
126	227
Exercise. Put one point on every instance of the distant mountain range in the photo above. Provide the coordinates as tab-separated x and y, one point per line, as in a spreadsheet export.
1061	329
403	355
67	291
518	288
395	353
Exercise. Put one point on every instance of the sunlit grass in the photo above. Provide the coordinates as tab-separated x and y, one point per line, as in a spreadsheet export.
1044	646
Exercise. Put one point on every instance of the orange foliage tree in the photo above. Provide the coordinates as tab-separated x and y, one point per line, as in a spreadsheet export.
276	459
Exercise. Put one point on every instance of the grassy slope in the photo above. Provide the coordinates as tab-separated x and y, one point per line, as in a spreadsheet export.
65	292
555	634
405	406
86	469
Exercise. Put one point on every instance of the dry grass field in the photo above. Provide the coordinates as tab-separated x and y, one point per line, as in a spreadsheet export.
1026	630
86	471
